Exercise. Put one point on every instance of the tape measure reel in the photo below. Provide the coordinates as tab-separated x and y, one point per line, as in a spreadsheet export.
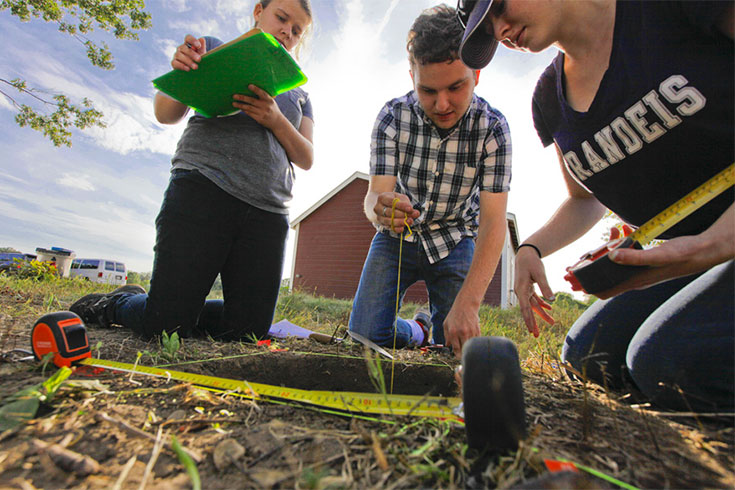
595	272
63	334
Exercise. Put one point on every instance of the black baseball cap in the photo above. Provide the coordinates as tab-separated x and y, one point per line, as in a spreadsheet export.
478	46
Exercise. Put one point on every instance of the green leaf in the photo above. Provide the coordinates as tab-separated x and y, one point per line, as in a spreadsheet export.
188	463
23	405
76	18
18	412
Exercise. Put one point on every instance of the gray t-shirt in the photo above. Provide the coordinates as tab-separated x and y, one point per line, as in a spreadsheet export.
239	155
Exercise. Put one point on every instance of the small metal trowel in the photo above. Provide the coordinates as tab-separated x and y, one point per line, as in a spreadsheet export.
370	344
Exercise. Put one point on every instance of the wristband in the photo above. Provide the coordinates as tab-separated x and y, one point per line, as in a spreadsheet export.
530	245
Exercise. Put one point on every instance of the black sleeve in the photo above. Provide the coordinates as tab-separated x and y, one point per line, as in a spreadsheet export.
545	106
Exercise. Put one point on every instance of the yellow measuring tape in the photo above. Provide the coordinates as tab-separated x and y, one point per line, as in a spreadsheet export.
345	401
685	206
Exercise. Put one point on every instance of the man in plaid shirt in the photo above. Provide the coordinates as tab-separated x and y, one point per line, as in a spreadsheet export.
445	154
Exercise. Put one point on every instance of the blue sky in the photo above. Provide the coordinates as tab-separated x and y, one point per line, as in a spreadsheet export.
100	197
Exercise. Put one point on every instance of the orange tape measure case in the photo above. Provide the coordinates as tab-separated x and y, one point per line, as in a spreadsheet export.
63	334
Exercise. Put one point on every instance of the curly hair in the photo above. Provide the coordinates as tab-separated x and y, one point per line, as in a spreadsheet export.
435	36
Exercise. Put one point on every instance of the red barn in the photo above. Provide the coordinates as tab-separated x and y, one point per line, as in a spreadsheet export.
333	237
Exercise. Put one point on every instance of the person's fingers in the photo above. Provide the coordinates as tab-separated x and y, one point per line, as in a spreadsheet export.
631	256
185	58
528	318
262	94
193	43
458	378
457	349
543	285
451	340
538	305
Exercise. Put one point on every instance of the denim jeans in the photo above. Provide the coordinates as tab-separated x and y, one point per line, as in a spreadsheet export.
675	339
202	231
374	307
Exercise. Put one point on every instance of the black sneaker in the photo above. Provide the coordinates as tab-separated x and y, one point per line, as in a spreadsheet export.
91	308
423	318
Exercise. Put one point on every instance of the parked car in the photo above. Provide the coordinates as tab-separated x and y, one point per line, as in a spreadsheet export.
11	261
100	270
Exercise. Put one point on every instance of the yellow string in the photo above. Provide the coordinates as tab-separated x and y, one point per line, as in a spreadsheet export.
398	286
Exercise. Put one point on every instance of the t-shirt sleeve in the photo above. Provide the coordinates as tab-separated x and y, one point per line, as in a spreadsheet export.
212	42
702	15
496	169
544	105
538	122
383	148
306	109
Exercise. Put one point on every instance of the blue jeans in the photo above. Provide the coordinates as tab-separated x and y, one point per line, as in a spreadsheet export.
374	307
203	231
676	340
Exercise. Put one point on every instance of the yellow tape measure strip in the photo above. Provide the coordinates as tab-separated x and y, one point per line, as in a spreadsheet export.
685	206
374	403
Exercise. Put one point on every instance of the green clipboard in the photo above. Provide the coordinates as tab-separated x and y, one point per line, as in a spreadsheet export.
255	57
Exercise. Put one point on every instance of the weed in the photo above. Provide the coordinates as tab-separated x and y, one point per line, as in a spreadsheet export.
375	371
51	303
187	462
311	477
38	271
45	361
170	345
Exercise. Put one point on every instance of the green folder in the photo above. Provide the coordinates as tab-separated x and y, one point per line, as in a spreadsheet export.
255	57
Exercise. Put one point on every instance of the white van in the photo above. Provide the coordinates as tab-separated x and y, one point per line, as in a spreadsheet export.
100	270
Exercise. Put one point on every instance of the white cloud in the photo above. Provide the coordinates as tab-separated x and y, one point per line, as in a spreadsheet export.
178	5
14	178
5	102
76	181
88	224
353	69
199	28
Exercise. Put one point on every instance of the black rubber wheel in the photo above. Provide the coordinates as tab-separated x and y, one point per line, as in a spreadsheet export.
492	391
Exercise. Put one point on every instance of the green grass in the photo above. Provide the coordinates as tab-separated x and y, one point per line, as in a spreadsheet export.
316	313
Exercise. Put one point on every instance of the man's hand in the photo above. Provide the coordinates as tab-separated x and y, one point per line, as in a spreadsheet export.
461	324
529	272
404	212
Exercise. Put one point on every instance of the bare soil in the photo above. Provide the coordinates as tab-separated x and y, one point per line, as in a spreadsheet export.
116	422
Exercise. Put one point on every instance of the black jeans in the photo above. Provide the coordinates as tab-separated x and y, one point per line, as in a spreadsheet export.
203	231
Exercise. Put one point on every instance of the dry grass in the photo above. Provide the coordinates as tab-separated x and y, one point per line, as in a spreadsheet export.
298	447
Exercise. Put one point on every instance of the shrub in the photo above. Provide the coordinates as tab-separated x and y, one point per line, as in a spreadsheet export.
38	271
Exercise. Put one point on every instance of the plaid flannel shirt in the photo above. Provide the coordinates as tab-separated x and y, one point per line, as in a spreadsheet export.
442	177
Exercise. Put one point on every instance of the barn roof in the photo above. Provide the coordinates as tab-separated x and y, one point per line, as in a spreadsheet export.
328	196
510	217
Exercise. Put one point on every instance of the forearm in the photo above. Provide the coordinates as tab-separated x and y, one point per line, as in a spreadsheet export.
720	238
572	219
371	198
168	110
488	248
298	148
